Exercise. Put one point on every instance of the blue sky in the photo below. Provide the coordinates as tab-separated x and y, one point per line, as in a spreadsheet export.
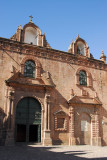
60	20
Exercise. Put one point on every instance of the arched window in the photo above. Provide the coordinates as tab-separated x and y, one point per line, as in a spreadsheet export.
81	48
82	78
29	69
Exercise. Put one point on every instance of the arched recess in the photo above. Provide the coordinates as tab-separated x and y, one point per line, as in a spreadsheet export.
28	120
83	47
89	77
31	34
83	129
37	64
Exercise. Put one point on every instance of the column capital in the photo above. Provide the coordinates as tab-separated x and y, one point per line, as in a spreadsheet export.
11	95
96	110
71	110
47	98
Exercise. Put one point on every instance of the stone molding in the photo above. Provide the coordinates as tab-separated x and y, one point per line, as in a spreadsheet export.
60	115
89	77
37	63
43	52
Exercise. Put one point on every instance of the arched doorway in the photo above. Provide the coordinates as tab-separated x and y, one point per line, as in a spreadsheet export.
28	120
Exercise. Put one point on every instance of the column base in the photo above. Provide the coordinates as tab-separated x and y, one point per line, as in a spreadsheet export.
3	137
96	141
47	139
9	139
72	141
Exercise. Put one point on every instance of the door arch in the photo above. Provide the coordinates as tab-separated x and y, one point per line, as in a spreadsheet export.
28	120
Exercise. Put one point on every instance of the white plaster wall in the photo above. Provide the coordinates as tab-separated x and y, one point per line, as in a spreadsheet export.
31	36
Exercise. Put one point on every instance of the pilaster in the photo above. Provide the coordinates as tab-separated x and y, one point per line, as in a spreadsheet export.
72	140
47	139
96	139
10	130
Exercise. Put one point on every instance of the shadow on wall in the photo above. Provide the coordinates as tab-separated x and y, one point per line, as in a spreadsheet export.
57	141
59	103
3	127
103	124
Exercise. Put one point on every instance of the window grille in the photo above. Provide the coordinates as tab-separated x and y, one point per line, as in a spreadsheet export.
29	70
83	78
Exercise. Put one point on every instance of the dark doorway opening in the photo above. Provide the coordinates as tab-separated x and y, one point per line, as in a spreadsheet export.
21	133
28	120
33	133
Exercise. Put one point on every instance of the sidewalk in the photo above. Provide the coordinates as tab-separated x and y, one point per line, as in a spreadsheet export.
38	152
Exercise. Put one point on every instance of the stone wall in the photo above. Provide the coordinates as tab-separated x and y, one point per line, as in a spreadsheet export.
62	69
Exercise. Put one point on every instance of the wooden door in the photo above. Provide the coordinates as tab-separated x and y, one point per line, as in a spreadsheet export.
28	120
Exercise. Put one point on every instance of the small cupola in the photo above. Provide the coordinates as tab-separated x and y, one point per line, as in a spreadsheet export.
30	34
103	57
79	47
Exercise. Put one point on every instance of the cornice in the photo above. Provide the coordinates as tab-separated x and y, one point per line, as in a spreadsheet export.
28	85
49	53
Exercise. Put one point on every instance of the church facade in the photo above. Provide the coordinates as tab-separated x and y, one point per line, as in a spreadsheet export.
50	96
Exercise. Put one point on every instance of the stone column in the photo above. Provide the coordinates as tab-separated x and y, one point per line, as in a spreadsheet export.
47	139
72	140
10	129
1	128
47	112
93	130
48	116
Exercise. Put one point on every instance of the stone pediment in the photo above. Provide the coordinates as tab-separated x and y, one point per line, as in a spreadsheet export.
60	113
19	79
84	100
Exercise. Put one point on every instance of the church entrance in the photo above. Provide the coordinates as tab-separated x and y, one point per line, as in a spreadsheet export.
83	129
28	121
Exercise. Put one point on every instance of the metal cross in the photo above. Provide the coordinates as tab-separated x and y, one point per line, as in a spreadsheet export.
31	18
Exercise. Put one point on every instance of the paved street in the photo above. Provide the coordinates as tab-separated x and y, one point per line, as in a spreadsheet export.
38	152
